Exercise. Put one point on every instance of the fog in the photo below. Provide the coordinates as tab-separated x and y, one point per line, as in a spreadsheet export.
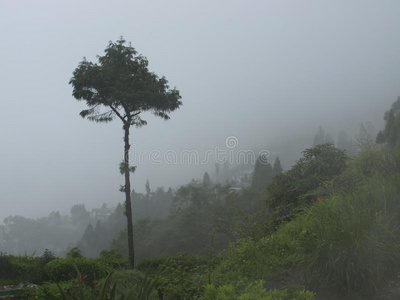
262	71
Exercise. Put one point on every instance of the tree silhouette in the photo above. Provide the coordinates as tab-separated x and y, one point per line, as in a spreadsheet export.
206	180
391	134
262	174
121	86
277	168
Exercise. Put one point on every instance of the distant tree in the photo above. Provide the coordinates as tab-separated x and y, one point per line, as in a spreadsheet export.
366	136
226	171
148	190
47	256
86	243
79	214
89	233
217	171
100	233
206	179
319	138
115	220
120	85
119	210
322	138
344	143
262	174
329	139
74	252
277	168
169	193
390	135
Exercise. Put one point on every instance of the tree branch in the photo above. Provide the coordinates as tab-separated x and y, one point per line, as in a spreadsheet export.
117	113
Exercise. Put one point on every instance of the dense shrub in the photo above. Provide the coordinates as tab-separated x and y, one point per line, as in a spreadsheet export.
356	237
70	288
255	290
114	259
291	190
250	259
5	266
47	256
20	268
183	276
64	269
351	239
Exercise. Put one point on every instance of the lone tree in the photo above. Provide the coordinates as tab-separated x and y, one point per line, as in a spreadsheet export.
121	86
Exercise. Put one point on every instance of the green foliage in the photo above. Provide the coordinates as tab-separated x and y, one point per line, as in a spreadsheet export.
145	290
124	167
356	237
350	239
5	265
262	174
255	290
47	256
342	228
182	276
277	168
109	288
114	259
64	269
122	83
20	268
391	134
74	252
290	191
245	260
71	289
250	259
196	212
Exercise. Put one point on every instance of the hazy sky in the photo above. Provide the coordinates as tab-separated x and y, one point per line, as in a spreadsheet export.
258	70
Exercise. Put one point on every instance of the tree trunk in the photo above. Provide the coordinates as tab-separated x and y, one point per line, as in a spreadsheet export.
128	205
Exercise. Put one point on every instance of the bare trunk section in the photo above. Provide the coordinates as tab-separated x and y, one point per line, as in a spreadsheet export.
128	204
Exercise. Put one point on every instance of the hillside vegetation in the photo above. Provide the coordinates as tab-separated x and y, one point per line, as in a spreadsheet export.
330	222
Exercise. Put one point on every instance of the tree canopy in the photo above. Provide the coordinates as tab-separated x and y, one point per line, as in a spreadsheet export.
120	85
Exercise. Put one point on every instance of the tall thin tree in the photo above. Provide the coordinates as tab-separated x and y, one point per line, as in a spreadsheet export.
121	86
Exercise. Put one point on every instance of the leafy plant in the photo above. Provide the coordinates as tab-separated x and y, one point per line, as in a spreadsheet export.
255	290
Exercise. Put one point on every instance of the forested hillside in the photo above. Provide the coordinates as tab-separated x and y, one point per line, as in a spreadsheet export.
327	228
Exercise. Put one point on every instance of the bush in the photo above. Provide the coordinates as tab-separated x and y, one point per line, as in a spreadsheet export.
74	252
356	237
255	290
352	238
5	266
47	256
20	268
69	288
250	259
180	276
64	269
114	259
